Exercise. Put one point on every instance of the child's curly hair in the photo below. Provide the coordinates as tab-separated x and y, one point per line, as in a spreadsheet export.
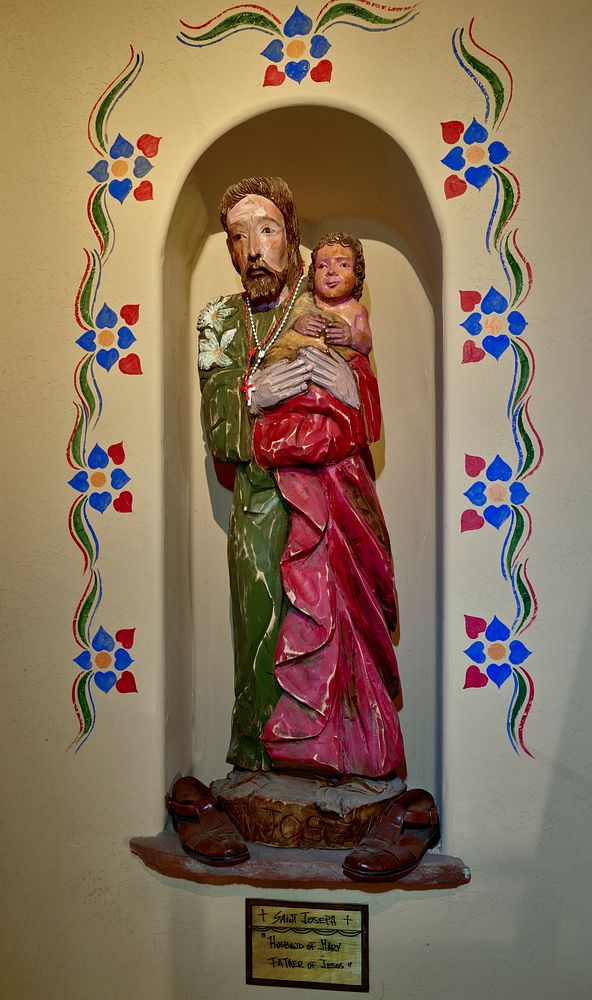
346	240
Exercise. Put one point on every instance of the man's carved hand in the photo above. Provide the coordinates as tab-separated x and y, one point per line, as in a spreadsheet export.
332	372
278	382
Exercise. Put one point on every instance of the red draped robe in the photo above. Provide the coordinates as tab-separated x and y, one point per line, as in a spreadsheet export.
334	660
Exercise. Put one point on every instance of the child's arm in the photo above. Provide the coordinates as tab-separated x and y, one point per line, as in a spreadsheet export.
356	334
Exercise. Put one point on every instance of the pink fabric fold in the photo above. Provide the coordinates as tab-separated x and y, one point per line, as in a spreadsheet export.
334	660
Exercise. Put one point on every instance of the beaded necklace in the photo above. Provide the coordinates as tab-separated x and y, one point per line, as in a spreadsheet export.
260	348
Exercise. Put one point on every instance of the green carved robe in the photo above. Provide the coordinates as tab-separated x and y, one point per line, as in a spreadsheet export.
258	523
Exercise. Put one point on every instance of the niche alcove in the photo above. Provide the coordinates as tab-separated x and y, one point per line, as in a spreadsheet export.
345	173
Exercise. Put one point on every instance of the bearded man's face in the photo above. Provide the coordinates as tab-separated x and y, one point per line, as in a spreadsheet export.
258	247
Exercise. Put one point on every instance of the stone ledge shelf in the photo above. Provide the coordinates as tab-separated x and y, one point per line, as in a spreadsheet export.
293	868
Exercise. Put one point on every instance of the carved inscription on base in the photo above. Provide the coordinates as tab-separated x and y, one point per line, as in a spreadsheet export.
290	825
288	811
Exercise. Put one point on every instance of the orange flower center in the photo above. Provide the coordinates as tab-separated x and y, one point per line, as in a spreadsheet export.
496	651
493	324
497	492
119	168
295	49
98	479
103	660
475	154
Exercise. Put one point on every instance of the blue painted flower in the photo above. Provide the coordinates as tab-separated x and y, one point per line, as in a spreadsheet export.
494	495
499	654
110	339
109	660
493	321
298	53
116	171
475	158
100	481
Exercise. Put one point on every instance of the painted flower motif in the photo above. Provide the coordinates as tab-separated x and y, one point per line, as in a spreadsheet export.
499	654
490	327
213	316
473	159
211	350
495	495
104	478
116	171
110	661
297	40
110	341
298	53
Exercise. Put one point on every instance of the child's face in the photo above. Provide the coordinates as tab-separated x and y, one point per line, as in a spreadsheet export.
334	272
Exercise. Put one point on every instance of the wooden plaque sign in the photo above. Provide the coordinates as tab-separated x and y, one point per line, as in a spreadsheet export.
307	944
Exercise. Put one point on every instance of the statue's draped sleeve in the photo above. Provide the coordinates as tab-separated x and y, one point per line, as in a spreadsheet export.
315	428
226	421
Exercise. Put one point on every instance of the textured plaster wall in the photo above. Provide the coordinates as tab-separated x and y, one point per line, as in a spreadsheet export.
81	917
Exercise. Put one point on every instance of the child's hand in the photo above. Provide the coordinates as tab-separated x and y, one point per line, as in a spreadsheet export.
338	332
311	325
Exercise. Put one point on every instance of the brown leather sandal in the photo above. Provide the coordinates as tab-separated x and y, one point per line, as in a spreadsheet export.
388	852
204	831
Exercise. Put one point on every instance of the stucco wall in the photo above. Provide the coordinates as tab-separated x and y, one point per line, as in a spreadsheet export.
81	916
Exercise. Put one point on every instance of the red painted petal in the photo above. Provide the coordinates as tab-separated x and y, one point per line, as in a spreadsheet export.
474	464
321	73
116	453
145	191
126	683
149	144
452	131
125	636
123	503
470	520
273	77
473	626
130	365
468	300
131	314
470	352
453	186
474	678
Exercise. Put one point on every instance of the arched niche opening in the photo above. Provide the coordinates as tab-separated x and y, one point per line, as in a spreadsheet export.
345	173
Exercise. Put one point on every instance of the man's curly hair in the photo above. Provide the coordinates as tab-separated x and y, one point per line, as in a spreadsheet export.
276	189
346	240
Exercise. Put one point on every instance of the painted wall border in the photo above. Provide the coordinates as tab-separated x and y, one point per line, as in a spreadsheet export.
100	480
497	328
300	40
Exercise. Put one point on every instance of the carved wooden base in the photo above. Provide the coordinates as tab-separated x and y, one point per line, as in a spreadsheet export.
292	811
274	868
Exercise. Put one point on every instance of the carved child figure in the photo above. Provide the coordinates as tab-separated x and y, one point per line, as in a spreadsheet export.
329	315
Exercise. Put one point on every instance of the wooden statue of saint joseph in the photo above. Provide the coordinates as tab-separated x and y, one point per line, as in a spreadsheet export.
289	397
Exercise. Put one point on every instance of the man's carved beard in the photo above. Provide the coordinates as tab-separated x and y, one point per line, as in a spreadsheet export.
264	285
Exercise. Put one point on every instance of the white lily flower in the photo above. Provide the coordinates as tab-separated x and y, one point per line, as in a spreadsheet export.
214	314
211	352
